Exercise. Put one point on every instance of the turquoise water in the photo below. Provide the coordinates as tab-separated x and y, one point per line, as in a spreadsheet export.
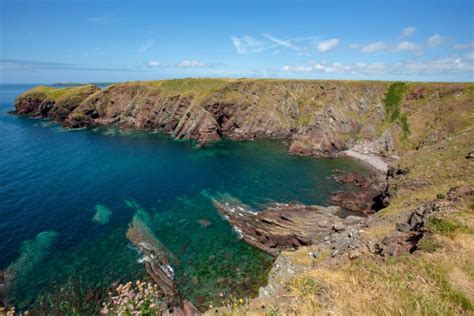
67	198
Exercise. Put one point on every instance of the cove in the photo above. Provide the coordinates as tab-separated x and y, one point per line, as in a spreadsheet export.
68	197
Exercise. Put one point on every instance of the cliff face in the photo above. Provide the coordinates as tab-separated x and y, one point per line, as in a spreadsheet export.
320	117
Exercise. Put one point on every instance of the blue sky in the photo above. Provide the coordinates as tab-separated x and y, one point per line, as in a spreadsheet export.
84	41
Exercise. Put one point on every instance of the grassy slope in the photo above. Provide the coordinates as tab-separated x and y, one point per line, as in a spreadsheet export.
437	279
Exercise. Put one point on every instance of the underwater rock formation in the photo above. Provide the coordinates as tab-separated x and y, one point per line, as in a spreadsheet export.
32	252
102	214
156	256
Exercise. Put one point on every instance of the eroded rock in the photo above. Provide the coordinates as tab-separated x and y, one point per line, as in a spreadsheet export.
285	226
156	256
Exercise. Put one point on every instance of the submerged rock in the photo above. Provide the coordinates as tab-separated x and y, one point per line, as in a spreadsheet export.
102	214
32	252
157	258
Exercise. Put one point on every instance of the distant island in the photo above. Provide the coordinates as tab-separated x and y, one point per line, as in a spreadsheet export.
77	84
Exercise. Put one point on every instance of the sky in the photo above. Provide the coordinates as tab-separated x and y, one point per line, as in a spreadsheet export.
106	41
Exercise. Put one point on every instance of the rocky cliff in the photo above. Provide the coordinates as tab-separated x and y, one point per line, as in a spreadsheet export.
421	135
320	117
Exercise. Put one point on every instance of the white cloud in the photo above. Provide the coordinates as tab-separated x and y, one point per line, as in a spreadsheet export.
464	46
297	68
328	44
153	64
247	44
146	46
374	47
437	66
314	66
409	46
191	64
407	32
354	46
435	40
470	56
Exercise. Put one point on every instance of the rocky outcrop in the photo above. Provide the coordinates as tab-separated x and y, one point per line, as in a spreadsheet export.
372	193
285	226
57	104
156	257
409	232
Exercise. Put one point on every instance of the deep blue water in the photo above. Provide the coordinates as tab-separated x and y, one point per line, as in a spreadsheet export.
51	180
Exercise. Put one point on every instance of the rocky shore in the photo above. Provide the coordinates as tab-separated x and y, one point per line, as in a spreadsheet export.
420	158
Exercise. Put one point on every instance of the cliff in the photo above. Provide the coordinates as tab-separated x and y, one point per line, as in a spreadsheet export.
320	117
421	135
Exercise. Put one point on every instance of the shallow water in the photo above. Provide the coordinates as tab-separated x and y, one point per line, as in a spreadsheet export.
82	188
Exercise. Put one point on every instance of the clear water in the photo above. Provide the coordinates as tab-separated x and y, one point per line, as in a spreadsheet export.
65	200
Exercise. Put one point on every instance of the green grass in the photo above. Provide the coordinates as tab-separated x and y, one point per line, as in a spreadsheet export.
393	100
427	244
442	226
193	85
405	124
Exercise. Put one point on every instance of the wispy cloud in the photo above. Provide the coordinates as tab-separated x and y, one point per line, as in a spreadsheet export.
184	64
408	46
282	43
374	47
437	66
435	40
192	64
464	46
407	32
153	64
247	44
146	46
28	65
250	45
328	44
402	44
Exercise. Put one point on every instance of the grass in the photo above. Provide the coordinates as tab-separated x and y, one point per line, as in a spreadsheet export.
443	226
405	124
409	284
393	100
428	244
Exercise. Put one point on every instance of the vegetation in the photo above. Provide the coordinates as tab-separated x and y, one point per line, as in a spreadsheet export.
427	244
393	100
138	298
392	105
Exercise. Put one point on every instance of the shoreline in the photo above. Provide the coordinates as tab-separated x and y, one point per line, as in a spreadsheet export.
371	160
